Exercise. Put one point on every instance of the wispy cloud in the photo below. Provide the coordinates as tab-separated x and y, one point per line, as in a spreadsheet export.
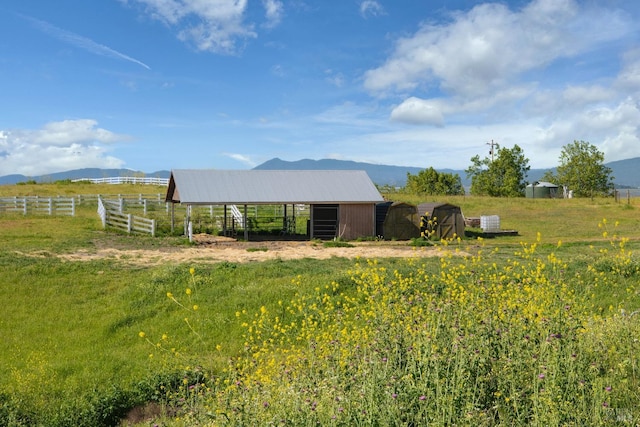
82	42
273	12
371	8
242	159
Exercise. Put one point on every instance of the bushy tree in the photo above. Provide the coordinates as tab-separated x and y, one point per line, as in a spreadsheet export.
430	181
504	176
582	170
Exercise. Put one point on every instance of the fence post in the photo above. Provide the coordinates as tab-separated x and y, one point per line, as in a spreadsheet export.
153	228
73	207
102	212
50	206
24	200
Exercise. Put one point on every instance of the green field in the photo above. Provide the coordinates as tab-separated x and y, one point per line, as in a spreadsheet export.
83	342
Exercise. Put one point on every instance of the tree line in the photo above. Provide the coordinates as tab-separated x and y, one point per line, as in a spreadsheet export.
581	169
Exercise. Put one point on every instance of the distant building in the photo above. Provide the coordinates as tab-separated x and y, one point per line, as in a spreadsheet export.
542	190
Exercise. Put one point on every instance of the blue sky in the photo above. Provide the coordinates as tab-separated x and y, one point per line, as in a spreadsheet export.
229	84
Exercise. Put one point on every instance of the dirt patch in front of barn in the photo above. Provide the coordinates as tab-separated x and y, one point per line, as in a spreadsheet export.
214	249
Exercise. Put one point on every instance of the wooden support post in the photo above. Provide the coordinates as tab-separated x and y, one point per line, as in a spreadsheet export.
246	228
224	222
173	216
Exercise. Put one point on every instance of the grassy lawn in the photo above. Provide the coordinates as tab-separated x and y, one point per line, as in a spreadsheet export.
71	351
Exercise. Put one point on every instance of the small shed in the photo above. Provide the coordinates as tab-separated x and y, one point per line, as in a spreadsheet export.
542	190
448	219
342	202
401	221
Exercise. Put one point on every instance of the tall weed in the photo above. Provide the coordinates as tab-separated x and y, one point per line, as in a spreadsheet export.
521	341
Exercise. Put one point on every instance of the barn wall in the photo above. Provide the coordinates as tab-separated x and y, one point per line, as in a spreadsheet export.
356	221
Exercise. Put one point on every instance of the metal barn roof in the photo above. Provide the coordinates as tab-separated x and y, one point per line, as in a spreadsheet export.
218	187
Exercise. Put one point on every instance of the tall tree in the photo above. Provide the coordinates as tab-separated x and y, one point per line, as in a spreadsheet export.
583	171
502	177
430	181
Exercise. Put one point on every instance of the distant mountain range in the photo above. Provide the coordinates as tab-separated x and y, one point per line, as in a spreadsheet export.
395	176
625	172
379	174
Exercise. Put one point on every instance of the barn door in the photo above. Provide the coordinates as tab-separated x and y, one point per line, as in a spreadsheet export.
324	221
447	223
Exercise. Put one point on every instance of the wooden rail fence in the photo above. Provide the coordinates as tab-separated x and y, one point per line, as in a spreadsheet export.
39	205
111	215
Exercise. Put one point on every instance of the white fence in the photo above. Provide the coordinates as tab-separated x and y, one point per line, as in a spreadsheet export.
126	180
128	199
237	215
39	205
112	215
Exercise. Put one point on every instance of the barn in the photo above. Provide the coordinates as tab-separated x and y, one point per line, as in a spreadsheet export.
341	202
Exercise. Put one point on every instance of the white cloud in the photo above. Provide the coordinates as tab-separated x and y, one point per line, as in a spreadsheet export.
488	46
67	132
615	130
622	146
58	146
371	8
273	12
418	111
211	25
490	73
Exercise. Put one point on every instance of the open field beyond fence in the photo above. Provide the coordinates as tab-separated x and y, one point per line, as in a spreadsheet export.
536	329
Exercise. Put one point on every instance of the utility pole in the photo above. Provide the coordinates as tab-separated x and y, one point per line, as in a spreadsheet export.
491	151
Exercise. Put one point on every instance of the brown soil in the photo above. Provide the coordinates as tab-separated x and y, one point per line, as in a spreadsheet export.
212	249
